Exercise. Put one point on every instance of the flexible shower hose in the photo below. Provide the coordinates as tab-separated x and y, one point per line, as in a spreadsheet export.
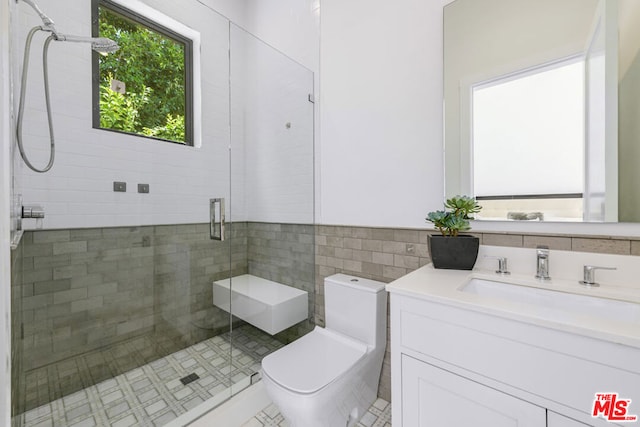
23	90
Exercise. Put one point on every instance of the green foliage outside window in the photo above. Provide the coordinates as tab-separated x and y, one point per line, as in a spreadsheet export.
152	66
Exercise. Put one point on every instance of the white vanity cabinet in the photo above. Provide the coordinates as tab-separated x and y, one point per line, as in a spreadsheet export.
456	365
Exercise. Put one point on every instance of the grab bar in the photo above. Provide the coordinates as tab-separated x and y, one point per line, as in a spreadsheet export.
216	229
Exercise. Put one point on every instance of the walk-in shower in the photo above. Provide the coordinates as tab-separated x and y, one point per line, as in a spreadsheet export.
115	316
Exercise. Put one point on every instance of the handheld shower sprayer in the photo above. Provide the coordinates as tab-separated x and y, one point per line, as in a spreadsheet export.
99	44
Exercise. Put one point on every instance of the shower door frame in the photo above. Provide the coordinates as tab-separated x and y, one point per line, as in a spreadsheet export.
6	124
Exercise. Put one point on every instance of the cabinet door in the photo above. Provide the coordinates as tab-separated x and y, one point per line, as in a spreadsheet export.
557	420
433	397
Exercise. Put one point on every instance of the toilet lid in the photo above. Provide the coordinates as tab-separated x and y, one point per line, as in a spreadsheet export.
313	361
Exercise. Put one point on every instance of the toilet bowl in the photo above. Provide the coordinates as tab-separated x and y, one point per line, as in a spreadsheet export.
330	376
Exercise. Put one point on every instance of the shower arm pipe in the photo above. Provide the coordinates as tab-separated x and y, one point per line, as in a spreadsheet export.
49	25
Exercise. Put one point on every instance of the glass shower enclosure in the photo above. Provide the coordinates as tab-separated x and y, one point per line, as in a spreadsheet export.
125	310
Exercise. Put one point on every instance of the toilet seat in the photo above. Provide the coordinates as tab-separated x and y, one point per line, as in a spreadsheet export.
313	361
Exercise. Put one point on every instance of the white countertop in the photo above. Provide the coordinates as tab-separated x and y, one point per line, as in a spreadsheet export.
442	286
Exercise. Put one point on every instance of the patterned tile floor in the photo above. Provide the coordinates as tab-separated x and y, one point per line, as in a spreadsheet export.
59	379
153	395
378	415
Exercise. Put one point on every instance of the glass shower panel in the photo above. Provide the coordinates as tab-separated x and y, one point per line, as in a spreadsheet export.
272	144
112	316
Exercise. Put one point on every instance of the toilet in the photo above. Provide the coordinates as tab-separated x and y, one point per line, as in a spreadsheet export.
330	376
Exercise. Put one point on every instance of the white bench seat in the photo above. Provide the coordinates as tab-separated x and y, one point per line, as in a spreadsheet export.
265	304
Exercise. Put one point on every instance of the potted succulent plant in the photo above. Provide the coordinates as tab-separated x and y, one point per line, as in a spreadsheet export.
451	249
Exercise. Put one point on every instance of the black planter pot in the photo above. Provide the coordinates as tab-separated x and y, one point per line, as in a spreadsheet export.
454	253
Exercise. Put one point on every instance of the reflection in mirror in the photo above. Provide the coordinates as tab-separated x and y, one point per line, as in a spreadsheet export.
531	108
530	124
629	110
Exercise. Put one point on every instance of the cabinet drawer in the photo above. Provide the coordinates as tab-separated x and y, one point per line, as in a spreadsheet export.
433	397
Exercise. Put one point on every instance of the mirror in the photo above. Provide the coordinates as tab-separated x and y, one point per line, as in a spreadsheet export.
542	108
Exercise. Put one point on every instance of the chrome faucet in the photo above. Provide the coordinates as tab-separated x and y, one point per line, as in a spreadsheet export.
502	264
590	275
542	271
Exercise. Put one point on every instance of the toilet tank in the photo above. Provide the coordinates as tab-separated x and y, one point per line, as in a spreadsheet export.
356	307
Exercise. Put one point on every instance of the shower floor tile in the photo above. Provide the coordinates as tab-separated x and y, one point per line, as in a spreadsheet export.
153	395
378	415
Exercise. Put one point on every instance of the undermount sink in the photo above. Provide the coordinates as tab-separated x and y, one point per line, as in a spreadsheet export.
555	305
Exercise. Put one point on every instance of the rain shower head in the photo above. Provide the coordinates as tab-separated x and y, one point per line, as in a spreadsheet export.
99	44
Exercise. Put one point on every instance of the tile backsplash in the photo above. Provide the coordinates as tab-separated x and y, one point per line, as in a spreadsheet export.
139	277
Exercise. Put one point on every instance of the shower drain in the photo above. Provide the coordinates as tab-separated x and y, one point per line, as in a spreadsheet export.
189	378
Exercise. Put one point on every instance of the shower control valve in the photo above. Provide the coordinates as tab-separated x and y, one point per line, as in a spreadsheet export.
33	211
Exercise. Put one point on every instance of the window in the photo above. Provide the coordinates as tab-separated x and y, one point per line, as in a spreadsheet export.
145	88
530	124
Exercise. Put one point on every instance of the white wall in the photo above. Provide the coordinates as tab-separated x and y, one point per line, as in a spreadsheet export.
290	26
381	111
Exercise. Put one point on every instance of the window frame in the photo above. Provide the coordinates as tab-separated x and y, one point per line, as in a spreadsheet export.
160	23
